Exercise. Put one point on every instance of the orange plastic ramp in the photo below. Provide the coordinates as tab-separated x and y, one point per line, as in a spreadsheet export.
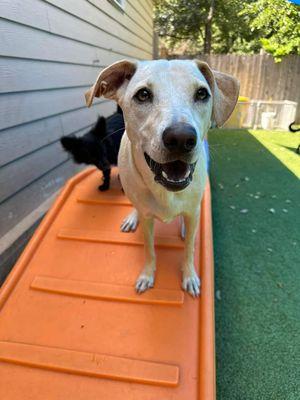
72	325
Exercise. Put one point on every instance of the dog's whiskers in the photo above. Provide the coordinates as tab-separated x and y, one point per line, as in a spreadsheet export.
117	130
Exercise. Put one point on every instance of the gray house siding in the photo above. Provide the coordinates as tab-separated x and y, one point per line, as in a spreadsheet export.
50	53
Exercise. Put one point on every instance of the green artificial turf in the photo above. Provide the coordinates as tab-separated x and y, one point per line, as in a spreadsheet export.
256	221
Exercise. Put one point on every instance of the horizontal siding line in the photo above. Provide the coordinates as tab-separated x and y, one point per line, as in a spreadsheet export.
141	15
101	29
95	26
46	145
53	61
148	8
98	8
150	3
141	26
34	180
69	38
48	89
54	115
136	21
148	11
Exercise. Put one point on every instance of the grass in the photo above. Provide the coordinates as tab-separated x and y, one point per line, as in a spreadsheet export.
256	222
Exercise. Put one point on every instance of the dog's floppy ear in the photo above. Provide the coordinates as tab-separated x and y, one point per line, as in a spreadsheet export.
109	80
225	91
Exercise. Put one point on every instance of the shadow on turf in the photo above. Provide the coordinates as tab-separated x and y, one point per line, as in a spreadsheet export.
256	262
292	149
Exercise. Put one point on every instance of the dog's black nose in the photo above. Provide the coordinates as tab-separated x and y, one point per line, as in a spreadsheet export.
180	138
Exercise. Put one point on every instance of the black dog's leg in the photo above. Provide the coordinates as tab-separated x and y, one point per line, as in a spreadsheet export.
106	180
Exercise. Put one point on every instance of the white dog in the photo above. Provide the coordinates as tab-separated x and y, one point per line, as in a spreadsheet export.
168	108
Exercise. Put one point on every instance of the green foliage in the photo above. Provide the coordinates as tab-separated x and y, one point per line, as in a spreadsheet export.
278	24
238	26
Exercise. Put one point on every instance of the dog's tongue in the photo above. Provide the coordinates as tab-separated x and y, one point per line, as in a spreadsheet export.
176	170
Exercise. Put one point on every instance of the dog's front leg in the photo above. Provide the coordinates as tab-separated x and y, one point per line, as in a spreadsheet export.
190	279
146	278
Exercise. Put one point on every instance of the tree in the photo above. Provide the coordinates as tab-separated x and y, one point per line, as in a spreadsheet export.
181	21
231	26
277	22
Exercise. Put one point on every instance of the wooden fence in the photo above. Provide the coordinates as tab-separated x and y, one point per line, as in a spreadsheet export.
260	77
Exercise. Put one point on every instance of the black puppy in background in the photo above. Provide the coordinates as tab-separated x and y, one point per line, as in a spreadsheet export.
295	130
100	146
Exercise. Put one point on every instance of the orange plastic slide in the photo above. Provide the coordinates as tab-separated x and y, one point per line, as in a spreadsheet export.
72	326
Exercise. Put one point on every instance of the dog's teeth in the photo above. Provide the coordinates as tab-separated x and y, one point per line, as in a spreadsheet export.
181	180
187	173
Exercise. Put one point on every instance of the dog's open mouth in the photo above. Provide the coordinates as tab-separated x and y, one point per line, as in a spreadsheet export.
174	176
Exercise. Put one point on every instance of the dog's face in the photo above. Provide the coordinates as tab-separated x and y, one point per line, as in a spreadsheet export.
168	108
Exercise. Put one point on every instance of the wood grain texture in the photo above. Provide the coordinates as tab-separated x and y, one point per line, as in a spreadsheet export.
260	77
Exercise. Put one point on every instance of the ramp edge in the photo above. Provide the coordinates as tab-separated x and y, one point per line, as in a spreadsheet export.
36	239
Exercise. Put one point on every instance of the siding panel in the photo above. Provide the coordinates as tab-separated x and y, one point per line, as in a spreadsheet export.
22	172
122	17
26	200
25	42
52	51
27	75
43	132
106	22
65	25
141	10
20	108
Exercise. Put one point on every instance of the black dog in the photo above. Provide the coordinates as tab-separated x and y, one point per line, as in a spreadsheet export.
100	146
295	130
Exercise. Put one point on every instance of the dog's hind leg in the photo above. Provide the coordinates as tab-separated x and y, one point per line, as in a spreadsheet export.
131	222
190	279
146	278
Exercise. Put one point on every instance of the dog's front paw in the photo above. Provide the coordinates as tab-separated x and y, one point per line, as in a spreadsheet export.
131	222
144	282
191	284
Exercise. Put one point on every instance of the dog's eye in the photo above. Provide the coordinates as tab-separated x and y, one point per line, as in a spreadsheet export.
201	94
143	95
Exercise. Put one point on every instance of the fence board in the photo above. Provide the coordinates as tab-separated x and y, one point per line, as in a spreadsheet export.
260	77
